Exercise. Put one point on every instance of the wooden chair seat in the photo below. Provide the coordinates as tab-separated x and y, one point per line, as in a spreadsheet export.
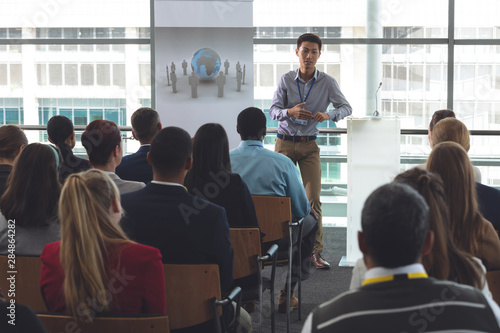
27	277
193	296
247	263
275	221
56	323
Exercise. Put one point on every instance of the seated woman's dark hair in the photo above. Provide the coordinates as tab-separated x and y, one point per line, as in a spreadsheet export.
33	189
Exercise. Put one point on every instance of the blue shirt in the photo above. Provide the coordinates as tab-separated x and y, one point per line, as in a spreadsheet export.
325	90
268	173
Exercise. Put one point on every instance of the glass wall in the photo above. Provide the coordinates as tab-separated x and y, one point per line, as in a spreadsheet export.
91	60
85	60
402	44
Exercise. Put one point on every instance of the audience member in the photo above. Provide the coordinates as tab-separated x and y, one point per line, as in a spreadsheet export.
397	296
454	130
450	130
61	133
269	173
437	116
186	229
30	200
95	268
103	143
211	178
145	124
470	231
444	261
12	142
18	318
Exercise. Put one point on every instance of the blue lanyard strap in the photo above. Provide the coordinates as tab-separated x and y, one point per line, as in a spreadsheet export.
261	146
300	94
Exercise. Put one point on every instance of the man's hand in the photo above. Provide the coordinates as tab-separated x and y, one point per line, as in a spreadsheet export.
321	116
298	112
314	213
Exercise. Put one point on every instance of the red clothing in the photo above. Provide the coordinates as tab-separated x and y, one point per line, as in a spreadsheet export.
136	286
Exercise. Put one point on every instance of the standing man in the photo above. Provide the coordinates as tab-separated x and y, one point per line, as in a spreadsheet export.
300	102
184	67
221	81
174	81
239	76
193	82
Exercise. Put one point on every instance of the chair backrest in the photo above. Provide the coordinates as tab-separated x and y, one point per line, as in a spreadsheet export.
246	246
27	278
62	323
493	279
273	214
190	290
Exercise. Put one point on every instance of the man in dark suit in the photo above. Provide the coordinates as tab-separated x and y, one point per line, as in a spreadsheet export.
145	124
186	229
488	200
397	295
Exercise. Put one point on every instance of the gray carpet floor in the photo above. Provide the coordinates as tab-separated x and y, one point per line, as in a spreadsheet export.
322	286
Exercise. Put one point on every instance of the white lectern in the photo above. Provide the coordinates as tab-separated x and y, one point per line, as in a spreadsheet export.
373	158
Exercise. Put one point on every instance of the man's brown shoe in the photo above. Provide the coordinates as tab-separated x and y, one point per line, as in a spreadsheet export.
294	303
319	261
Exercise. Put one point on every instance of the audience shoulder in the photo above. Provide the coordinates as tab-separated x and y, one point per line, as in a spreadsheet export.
141	251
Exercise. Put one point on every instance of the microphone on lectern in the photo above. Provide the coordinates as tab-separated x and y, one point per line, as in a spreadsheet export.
376	113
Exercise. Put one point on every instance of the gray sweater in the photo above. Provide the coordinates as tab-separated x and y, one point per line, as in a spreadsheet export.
28	241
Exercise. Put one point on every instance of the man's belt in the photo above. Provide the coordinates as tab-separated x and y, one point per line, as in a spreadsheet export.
296	138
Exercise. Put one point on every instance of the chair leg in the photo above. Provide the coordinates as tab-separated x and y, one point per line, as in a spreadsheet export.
272	308
289	284
301	226
260	306
217	324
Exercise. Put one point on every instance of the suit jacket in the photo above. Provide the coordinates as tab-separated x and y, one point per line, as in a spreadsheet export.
136	167
232	194
136	280
489	247
126	186
186	229
488	199
70	163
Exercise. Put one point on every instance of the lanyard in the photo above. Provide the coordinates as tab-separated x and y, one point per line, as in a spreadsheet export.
300	94
395	277
261	146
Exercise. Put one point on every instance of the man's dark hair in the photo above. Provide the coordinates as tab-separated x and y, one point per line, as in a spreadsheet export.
170	149
100	139
145	123
59	128
395	221
309	38
440	115
250	122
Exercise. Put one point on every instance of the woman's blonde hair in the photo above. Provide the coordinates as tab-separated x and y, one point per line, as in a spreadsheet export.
88	238
450	161
451	129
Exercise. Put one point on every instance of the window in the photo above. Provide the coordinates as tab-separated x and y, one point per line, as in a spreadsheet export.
87	74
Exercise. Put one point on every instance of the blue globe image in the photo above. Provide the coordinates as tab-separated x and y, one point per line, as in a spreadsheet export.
206	63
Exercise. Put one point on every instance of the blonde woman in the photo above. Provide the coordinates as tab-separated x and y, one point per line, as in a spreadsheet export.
95	268
452	129
469	230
